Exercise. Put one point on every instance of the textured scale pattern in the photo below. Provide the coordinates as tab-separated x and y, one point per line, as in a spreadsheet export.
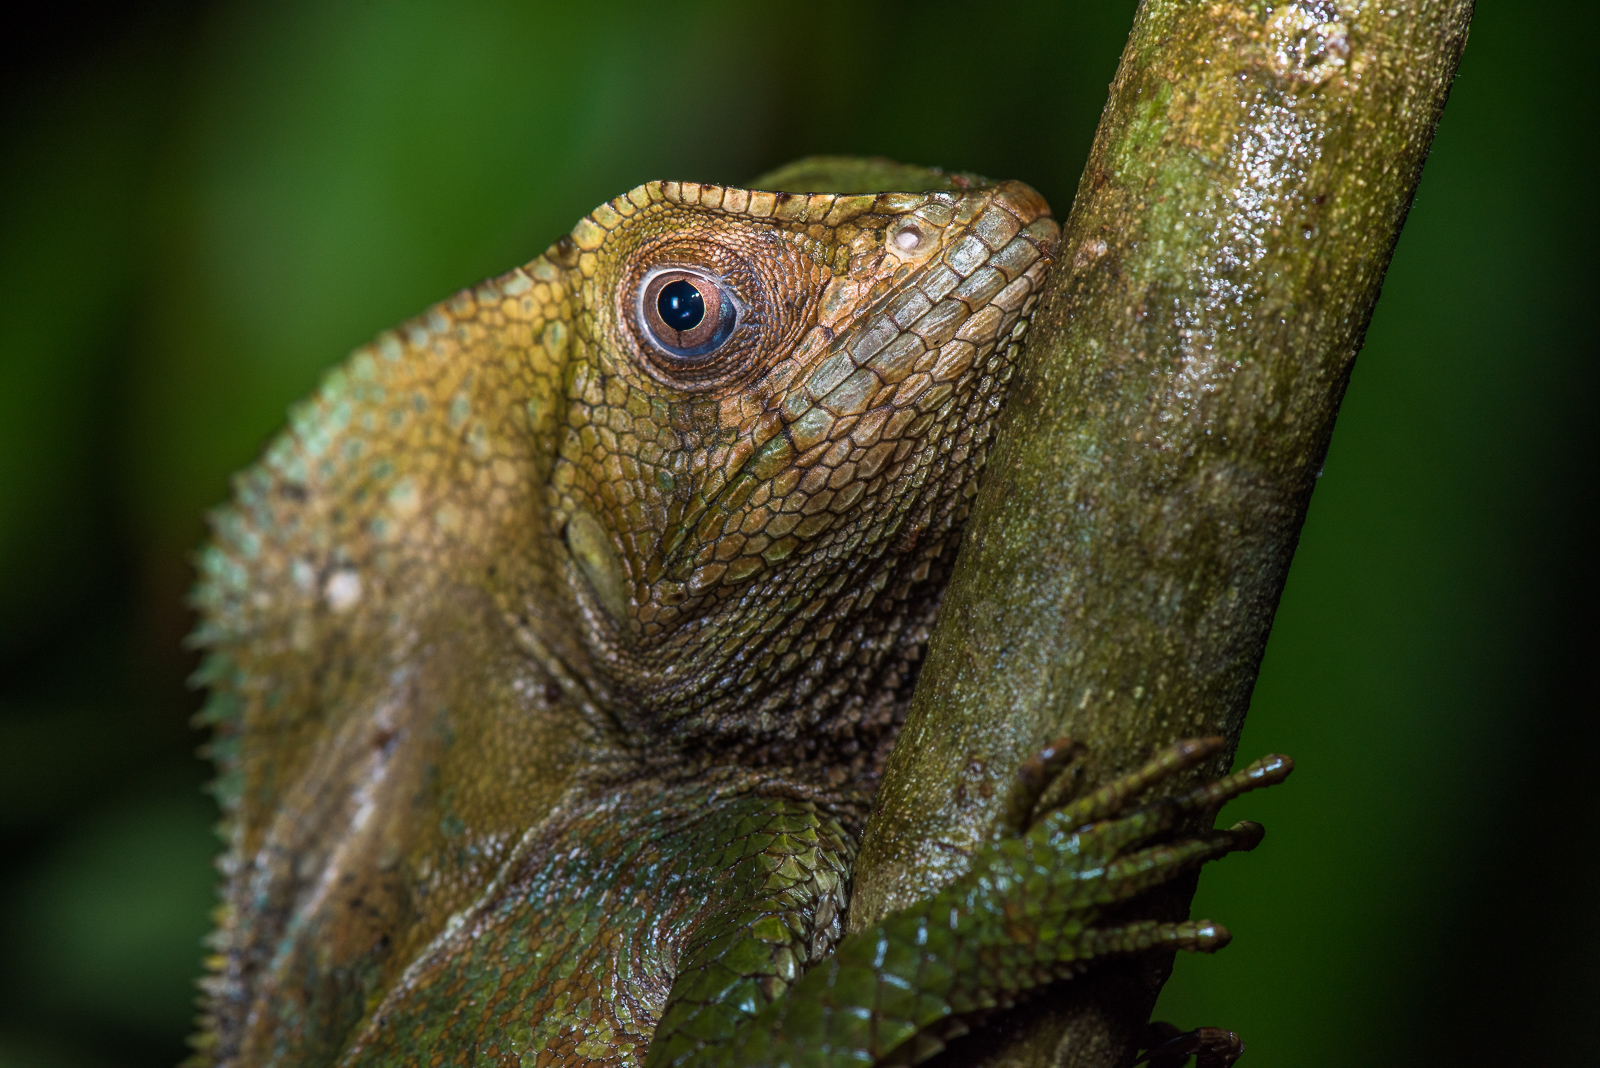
550	670
587	938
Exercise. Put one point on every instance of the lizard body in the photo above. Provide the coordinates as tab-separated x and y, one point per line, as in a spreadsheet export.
555	647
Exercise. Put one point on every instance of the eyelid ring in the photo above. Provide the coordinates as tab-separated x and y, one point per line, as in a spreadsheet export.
726	296
729	346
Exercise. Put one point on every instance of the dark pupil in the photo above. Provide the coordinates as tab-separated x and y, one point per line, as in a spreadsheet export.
681	305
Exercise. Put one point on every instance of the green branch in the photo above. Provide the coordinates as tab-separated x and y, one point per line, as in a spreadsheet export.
1126	553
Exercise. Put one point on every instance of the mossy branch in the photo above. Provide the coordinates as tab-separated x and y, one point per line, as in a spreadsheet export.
1128	547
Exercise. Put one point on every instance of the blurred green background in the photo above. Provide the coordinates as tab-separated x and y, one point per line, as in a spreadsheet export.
202	205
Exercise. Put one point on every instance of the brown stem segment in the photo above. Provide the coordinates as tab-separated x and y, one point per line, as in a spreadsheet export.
1126	552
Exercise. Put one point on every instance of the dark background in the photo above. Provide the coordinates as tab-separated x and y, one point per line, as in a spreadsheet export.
202	205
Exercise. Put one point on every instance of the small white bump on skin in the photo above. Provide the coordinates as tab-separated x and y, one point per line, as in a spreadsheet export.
342	590
908	238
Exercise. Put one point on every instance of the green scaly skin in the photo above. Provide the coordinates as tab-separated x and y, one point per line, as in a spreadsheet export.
551	672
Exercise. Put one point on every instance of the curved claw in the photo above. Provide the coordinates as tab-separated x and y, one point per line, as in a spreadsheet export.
1199	936
1134	874
1114	797
1268	771
1034	777
1115	835
1121	875
1247	834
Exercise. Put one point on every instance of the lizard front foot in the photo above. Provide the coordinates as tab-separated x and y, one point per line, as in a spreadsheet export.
1088	852
1027	913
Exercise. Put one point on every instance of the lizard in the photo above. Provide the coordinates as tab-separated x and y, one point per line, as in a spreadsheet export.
555	646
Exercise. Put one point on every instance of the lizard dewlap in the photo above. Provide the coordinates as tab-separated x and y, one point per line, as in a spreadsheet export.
555	646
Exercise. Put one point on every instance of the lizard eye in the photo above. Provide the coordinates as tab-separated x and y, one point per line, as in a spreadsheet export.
688	314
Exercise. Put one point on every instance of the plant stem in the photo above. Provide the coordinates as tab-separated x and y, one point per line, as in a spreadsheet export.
1127	549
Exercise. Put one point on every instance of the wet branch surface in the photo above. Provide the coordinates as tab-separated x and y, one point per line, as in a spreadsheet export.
1130	541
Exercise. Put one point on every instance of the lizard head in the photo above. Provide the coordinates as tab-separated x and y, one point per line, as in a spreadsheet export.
777	408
